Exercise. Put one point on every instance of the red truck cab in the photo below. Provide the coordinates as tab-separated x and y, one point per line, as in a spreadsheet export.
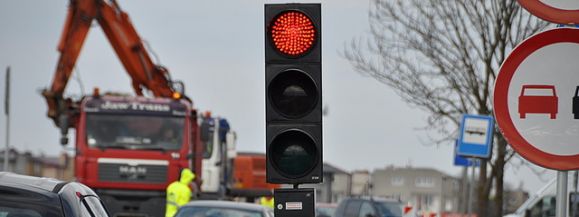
129	149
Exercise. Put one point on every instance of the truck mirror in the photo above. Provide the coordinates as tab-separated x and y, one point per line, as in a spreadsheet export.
205	131
230	140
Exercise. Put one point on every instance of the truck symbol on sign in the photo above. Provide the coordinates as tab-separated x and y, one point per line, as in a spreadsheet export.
545	102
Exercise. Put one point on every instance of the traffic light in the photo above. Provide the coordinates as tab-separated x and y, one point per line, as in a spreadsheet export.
293	79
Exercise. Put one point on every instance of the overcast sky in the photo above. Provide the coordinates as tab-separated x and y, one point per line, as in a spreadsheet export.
217	50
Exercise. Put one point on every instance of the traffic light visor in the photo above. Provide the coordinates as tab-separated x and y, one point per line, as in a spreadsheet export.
293	93
292	33
293	153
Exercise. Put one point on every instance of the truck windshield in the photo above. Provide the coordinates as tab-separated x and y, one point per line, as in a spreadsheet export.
134	132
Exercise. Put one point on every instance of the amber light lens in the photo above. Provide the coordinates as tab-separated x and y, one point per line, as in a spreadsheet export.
293	33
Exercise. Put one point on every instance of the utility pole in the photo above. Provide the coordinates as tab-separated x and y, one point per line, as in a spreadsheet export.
7	113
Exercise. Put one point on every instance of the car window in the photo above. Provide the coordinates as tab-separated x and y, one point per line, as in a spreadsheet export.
574	204
12	205
366	210
216	212
325	211
536	209
19	212
390	209
352	209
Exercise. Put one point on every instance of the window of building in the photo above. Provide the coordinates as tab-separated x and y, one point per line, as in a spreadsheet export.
425	201
397	181
455	185
424	182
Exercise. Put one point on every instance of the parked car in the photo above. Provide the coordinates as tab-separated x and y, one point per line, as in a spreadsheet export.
544	103
369	207
325	209
215	208
29	196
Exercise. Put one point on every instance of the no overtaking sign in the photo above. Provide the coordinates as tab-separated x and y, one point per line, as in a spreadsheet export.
536	99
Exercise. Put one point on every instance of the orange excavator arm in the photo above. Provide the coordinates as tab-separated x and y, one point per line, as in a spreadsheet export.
125	41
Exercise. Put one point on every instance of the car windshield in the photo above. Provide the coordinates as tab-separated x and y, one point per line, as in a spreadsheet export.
217	212
390	209
134	132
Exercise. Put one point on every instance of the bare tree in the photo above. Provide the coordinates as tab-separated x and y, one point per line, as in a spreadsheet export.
443	57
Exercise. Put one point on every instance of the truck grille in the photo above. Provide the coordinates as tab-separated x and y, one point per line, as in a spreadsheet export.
125	172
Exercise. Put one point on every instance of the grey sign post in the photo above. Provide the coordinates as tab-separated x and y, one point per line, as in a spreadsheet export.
475	141
7	113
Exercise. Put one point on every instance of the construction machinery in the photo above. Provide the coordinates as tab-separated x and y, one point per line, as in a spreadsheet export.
128	148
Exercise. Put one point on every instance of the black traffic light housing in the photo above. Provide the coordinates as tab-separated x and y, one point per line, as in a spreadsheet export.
293	82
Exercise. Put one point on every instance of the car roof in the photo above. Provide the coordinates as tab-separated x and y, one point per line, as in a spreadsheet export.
373	199
31	183
334	205
226	204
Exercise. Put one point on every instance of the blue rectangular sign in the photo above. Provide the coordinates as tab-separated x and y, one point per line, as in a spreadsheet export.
475	136
463	161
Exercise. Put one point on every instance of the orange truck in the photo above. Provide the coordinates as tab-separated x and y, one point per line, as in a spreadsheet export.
226	173
249	176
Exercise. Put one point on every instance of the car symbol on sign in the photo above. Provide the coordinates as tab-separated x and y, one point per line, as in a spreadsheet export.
538	104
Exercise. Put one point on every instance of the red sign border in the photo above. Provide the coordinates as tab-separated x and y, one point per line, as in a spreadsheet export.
500	100
549	13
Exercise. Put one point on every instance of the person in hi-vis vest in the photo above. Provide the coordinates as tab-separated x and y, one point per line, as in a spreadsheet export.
179	193
266	201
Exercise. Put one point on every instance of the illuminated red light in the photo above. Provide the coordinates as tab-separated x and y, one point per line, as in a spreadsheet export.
293	33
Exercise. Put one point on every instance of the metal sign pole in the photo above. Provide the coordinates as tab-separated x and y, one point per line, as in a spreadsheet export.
7	113
470	186
561	193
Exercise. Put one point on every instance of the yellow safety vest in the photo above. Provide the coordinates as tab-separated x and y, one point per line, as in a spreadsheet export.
267	202
179	193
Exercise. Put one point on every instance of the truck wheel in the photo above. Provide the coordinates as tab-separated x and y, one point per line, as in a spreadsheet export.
576	116
522	115
553	115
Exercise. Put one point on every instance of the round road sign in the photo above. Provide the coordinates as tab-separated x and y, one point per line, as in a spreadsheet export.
556	11
536	99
